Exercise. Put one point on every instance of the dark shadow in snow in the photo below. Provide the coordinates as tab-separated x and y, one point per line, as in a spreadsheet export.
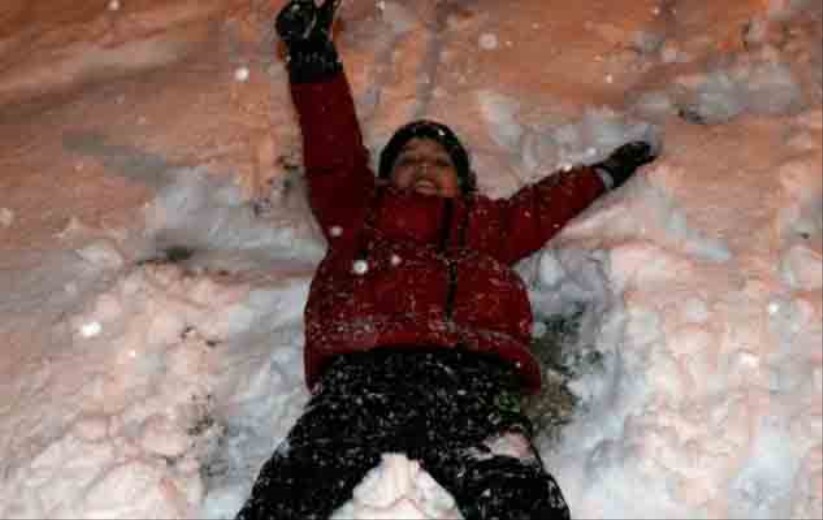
570	303
554	406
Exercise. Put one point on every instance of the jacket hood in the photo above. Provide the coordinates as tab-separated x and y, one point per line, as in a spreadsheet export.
442	134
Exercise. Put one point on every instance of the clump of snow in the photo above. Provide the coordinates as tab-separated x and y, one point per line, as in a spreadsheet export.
398	488
767	88
777	72
211	219
801	267
488	41
543	148
90	329
101	254
360	267
242	74
6	217
721	95
398	16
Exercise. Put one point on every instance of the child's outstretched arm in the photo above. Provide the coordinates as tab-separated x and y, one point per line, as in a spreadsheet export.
336	161
539	211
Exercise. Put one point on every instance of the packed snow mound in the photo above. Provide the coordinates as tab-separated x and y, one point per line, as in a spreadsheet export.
767	68
154	365
164	358
203	220
542	148
765	87
710	399
398	488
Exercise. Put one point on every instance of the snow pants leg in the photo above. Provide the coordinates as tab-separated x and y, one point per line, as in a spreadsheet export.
444	408
323	458
488	486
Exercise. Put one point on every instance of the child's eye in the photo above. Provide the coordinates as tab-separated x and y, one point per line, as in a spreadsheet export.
405	160
442	163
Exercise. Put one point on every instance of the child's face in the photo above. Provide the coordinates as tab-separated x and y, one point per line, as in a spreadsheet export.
424	166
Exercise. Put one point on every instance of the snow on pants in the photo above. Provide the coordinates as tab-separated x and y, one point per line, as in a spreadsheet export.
443	408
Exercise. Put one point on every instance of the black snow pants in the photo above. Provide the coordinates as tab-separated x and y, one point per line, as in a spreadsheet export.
437	407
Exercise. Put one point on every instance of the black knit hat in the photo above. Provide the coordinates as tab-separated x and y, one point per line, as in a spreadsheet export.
427	129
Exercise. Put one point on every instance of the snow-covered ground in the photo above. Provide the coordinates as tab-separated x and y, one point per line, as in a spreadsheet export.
156	250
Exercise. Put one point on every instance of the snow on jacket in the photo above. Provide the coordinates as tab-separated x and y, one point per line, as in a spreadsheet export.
408	270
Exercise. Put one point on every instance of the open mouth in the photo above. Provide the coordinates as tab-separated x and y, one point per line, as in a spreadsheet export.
426	187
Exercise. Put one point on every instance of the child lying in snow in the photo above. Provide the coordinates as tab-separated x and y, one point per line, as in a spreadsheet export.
417	329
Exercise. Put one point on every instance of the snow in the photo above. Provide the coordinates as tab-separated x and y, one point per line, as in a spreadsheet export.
6	217
488	41
241	74
360	267
398	488
153	362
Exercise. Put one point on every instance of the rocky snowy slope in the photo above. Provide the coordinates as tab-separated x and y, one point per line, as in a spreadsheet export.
156	250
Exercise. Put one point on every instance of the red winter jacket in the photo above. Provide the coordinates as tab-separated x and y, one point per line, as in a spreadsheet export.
404	269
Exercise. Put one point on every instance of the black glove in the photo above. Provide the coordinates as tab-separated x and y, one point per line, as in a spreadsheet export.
306	30
624	161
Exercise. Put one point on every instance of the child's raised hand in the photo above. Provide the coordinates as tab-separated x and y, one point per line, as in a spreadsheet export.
304	21
305	28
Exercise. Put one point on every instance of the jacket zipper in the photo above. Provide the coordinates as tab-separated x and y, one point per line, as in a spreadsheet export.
371	215
445	232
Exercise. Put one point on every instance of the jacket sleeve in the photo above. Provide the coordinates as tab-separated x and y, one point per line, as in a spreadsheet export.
336	161
539	211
